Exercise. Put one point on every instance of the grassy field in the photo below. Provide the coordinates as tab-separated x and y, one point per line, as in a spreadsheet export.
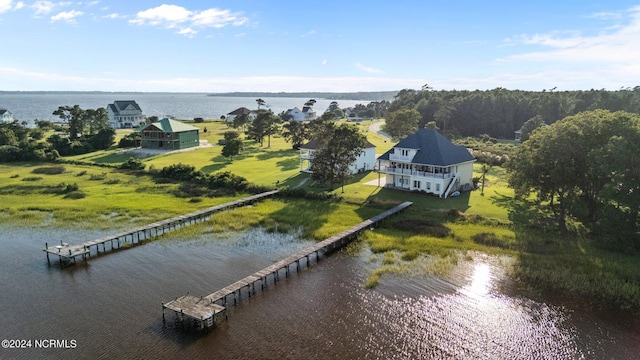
436	232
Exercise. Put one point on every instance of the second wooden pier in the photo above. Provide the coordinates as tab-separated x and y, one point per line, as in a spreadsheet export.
203	310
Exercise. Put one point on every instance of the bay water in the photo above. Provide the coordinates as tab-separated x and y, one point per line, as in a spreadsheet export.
28	106
111	306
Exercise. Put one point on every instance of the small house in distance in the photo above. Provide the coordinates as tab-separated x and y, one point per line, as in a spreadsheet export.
240	111
168	134
6	116
306	114
427	161
125	114
364	162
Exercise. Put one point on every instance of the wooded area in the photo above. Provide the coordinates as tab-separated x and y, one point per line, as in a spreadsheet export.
500	112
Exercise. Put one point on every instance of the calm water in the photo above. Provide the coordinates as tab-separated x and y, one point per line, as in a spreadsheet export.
186	106
111	307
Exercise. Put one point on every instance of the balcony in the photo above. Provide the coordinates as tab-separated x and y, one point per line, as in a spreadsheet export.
398	157
410	172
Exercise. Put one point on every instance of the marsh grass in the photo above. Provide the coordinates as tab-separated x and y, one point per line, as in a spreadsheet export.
137	199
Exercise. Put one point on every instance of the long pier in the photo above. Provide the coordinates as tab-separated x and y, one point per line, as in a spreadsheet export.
68	253
203	310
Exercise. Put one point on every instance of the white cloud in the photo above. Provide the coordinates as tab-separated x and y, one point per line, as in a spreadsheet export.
5	5
43	7
217	18
309	33
187	32
174	16
67	16
368	69
324	62
616	45
114	16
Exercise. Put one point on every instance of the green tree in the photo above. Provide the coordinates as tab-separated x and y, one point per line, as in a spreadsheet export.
103	139
241	121
74	117
340	146
574	164
265	124
232	144
8	137
403	122
295	132
530	125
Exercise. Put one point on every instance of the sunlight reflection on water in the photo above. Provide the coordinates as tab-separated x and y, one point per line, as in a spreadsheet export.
476	321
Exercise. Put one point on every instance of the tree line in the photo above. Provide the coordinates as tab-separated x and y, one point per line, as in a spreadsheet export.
500	112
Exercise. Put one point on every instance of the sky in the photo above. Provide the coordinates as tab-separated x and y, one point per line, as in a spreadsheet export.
328	46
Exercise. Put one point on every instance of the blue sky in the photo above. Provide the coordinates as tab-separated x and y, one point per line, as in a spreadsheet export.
341	46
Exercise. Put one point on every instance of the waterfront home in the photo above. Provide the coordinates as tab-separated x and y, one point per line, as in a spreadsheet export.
427	161
364	162
240	111
306	114
125	114
6	116
167	134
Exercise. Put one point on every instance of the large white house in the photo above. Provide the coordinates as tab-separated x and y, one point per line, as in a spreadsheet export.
306	114
427	161
364	162
125	114
6	116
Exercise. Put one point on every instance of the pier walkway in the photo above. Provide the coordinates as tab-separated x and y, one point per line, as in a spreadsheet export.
203	310
68	253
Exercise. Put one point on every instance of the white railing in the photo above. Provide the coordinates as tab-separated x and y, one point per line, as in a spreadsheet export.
395	157
426	174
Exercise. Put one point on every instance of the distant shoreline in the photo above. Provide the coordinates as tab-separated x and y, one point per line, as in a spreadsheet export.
361	95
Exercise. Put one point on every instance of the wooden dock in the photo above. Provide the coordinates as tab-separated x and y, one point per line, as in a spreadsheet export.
68	253
204	309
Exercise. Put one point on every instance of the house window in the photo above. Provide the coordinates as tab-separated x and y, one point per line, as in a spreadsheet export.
428	185
416	184
437	188
404	152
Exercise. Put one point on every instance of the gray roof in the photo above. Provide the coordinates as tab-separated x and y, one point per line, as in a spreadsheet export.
120	105
433	149
240	111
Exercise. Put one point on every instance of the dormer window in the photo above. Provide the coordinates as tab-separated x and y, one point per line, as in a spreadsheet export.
404	152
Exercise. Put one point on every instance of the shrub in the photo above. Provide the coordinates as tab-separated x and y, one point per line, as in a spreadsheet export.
129	140
490	239
180	171
132	164
425	227
98	176
49	170
32	178
74	195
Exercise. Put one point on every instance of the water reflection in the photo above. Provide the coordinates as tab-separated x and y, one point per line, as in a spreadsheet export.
480	281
